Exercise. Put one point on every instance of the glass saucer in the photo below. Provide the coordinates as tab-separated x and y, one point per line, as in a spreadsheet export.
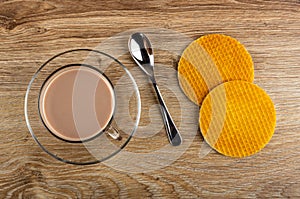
103	146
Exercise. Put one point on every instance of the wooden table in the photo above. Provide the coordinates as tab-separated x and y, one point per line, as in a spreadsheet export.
33	31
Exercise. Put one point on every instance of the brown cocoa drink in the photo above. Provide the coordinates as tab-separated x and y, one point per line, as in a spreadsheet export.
77	103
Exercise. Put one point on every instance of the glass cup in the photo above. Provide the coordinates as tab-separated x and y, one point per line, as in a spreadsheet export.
74	103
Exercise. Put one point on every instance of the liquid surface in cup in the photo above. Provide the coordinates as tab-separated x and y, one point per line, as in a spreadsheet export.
77	103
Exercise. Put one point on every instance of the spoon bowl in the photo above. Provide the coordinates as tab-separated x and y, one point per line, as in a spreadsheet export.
142	53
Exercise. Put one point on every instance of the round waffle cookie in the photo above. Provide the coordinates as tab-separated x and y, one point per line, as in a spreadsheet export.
211	60
237	118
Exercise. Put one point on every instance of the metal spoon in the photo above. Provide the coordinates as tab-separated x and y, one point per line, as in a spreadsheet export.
142	53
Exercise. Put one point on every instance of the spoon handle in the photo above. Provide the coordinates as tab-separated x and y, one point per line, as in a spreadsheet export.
172	132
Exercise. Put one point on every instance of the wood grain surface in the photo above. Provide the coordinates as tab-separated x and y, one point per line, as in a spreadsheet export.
33	31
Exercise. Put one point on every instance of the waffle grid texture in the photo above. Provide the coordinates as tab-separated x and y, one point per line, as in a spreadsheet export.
237	118
211	60
246	125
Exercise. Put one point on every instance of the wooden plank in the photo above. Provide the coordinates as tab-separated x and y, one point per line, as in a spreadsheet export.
33	31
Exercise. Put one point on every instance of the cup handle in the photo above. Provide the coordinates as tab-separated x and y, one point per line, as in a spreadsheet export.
114	133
